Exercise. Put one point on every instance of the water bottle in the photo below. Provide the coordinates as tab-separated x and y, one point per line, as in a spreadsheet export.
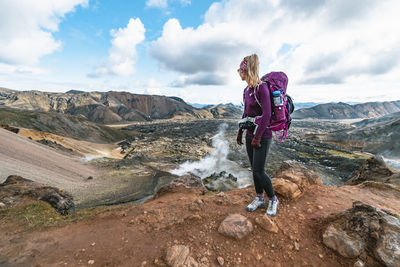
277	96
278	114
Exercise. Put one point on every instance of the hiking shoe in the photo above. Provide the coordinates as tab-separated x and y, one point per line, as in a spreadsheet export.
257	203
272	207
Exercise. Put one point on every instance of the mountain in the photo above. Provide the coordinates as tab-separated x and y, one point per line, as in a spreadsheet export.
346	111
66	125
111	107
196	105
305	105
225	110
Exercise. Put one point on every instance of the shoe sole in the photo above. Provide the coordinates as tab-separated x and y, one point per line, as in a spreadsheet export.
259	207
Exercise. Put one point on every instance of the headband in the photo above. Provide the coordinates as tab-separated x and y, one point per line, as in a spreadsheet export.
243	65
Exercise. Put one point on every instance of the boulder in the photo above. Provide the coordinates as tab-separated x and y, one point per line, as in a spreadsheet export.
365	228
15	189
286	188
236	226
293	178
340	241
267	224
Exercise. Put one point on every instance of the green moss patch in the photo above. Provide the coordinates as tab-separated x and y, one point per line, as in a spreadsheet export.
344	154
39	215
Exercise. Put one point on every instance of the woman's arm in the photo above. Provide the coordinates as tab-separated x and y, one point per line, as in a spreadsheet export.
244	104
263	121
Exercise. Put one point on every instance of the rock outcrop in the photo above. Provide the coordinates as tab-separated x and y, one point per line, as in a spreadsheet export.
9	128
365	231
375	169
220	182
184	183
15	189
293	178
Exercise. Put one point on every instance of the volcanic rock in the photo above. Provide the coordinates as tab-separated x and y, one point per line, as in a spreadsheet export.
9	128
375	169
220	182
365	228
339	240
236	226
16	188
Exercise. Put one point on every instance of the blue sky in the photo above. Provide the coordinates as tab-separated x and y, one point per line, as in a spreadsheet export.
331	50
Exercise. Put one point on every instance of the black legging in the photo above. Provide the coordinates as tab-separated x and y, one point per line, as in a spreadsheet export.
257	157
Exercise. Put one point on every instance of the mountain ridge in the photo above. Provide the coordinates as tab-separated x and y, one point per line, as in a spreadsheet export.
112	106
346	111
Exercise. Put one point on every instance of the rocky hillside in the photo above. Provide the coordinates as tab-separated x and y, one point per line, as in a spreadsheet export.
77	127
184	225
346	111
108	107
225	111
375	171
378	136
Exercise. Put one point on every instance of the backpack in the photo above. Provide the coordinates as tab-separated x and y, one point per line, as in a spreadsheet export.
280	115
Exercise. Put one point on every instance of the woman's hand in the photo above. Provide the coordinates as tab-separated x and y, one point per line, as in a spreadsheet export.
256	142
239	137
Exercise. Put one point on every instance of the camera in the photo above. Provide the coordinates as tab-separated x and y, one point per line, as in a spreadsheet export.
247	124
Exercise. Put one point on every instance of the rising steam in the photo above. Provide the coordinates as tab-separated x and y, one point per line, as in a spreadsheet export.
216	162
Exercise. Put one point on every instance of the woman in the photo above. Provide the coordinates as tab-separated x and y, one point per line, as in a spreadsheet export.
258	141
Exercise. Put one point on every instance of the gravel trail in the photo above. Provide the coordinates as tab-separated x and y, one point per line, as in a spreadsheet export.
31	160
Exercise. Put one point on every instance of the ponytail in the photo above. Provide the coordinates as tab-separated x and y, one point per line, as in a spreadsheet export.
252	70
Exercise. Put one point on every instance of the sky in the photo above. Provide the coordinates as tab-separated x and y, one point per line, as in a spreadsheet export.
331	50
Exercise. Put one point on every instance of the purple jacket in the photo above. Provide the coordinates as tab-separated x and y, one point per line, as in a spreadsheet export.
261	113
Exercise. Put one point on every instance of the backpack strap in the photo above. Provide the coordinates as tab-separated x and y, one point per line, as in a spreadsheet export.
256	92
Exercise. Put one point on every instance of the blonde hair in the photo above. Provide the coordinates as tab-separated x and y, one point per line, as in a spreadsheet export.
252	70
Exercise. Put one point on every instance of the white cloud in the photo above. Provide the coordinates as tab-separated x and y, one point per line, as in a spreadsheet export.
162	4
185	2
122	55
315	42
157	3
153	87
26	29
11	69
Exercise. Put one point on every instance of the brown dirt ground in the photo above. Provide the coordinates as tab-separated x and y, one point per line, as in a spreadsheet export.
82	147
138	235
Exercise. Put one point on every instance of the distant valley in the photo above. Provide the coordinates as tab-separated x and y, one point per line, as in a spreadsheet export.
379	136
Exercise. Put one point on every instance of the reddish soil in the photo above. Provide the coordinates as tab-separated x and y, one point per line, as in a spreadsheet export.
140	234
